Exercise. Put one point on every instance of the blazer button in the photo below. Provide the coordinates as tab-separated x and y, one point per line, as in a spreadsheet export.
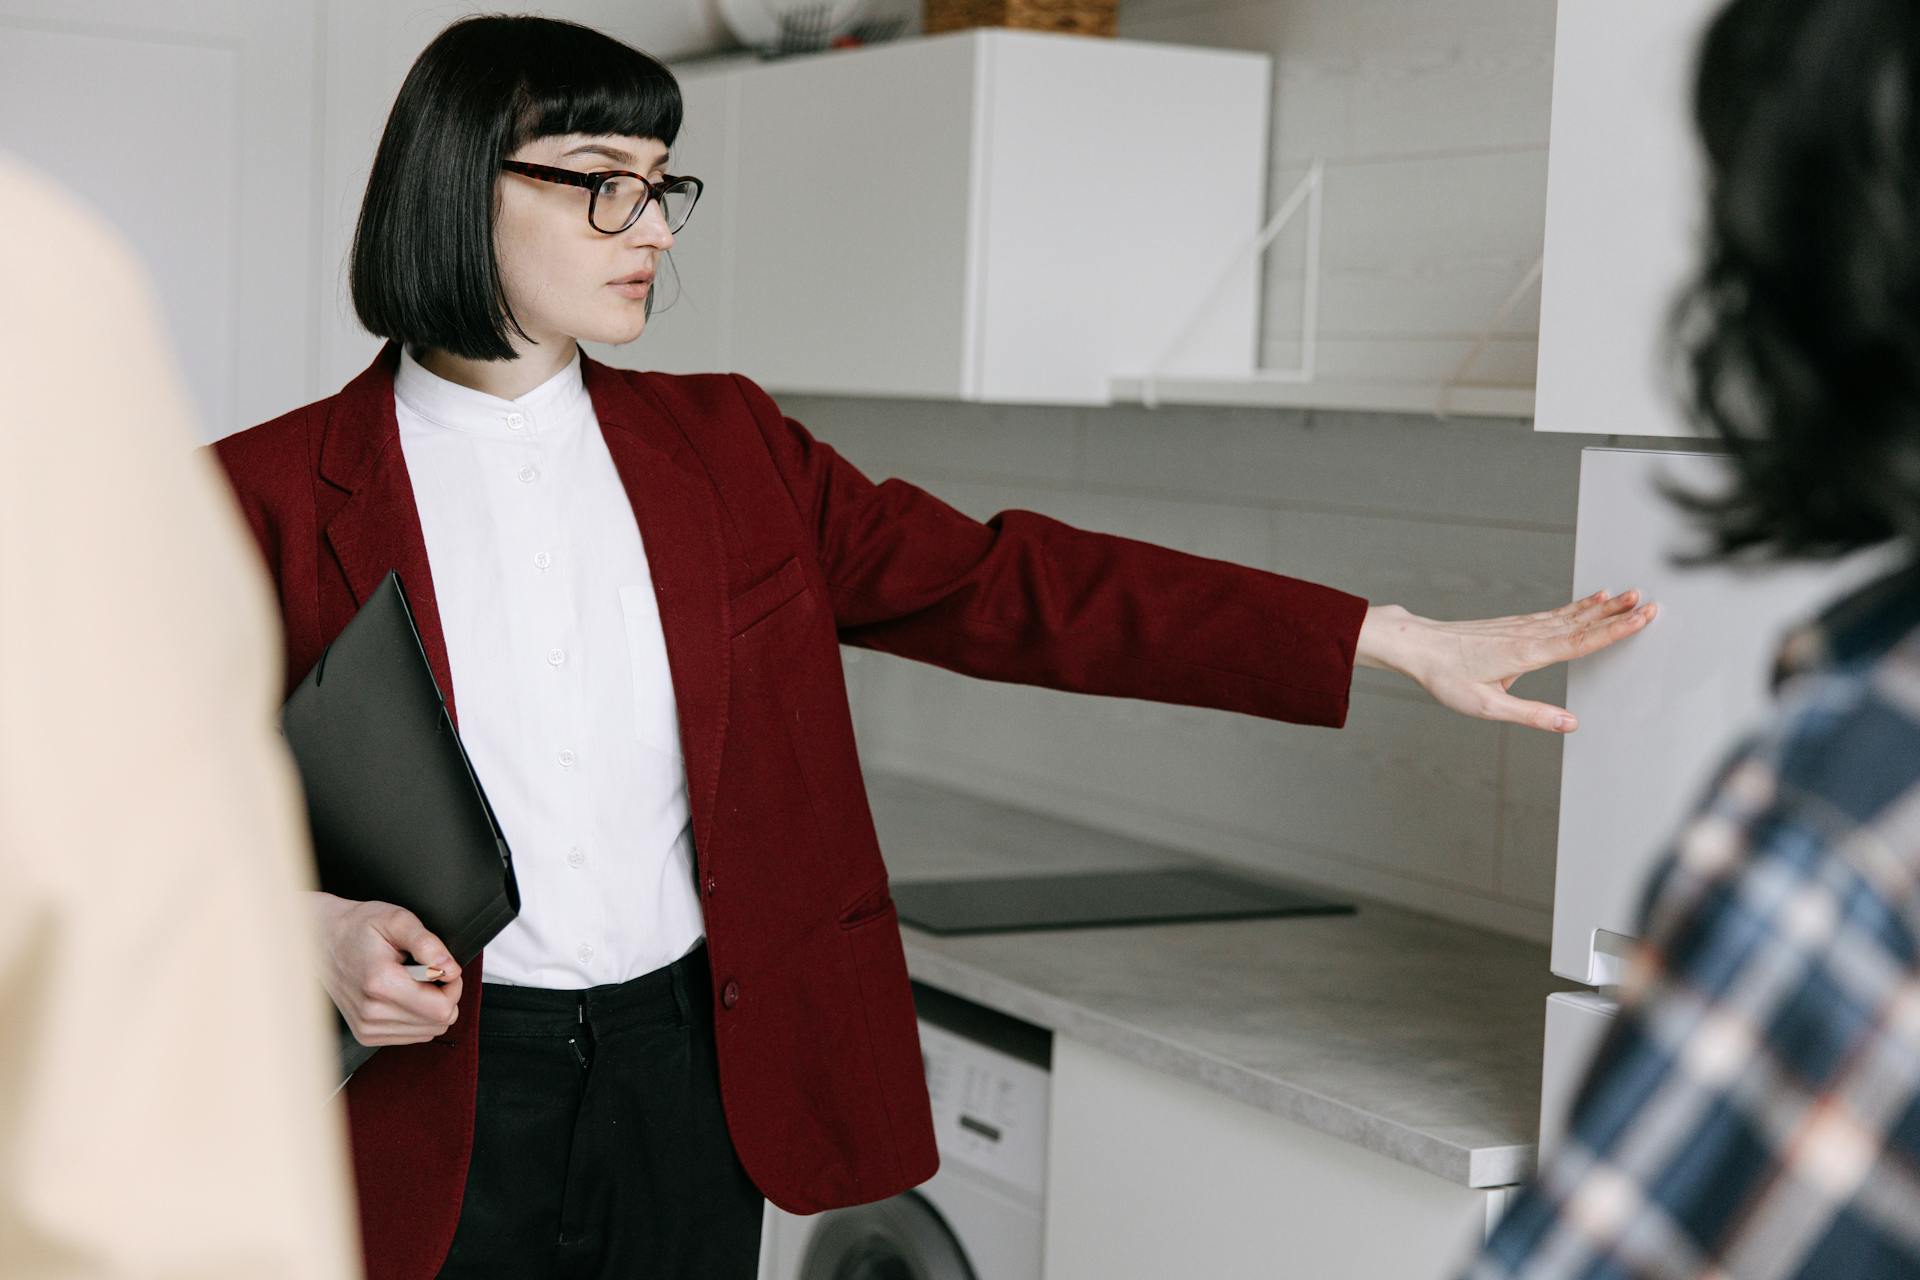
709	886
730	994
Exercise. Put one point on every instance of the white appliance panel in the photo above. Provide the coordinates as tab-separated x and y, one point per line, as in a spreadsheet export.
990	1113
1659	710
1577	1021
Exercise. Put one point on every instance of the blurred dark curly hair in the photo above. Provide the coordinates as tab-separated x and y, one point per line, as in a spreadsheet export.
1797	341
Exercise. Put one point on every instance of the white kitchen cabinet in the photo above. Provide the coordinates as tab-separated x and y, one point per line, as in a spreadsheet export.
987	215
1657	711
1151	1176
1624	187
1577	1024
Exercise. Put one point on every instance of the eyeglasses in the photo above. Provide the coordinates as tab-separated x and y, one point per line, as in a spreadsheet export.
618	197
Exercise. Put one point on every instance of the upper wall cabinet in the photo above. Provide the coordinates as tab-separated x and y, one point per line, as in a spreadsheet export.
1624	186
989	215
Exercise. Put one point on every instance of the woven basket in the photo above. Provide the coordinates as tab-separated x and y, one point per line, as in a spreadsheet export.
1079	17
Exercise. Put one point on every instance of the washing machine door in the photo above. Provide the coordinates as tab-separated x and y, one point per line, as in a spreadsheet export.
901	1238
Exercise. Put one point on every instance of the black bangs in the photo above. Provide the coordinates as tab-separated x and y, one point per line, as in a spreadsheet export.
573	79
422	268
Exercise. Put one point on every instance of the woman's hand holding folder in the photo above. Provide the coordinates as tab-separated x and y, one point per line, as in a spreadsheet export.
364	948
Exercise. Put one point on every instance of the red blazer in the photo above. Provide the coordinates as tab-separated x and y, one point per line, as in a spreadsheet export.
768	552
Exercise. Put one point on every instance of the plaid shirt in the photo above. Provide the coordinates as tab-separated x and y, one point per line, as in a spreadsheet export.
1754	1112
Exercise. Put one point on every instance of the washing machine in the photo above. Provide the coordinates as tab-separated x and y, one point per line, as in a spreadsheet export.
982	1214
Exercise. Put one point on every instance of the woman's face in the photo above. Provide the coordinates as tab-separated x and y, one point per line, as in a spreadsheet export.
556	268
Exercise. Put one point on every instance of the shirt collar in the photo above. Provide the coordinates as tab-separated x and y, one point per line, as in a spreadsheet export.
556	402
1857	628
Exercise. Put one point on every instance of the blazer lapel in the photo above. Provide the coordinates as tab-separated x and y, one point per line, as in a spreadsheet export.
376	527
680	527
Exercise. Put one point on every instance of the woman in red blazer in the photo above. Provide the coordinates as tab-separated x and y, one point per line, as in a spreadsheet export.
800	1056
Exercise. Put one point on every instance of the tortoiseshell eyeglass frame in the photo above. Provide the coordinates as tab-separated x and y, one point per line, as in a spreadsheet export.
595	180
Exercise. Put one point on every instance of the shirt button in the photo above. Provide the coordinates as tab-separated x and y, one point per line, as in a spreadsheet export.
576	858
529	473
515	421
730	995
566	758
556	656
543	558
586	953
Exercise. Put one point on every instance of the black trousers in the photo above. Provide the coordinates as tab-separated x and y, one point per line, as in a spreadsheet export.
600	1150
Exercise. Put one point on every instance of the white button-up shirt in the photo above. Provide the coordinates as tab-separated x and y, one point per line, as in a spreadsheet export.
560	666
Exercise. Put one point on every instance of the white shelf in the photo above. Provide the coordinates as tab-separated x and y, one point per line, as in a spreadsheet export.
1291	393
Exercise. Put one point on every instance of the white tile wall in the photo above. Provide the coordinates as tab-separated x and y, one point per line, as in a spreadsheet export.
1433	118
1409	801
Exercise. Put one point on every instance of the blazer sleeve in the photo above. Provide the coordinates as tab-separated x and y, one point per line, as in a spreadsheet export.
1025	598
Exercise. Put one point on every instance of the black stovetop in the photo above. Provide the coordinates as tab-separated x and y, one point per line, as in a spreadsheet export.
1092	899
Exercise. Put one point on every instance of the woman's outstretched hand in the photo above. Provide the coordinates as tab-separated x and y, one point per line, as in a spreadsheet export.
1469	665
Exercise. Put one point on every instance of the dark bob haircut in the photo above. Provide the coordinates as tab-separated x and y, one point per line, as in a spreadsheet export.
423	270
1797	341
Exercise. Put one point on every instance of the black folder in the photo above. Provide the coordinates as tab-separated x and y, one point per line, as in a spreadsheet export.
396	812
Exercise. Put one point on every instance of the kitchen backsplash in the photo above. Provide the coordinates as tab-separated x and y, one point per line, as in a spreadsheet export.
1408	801
1432	120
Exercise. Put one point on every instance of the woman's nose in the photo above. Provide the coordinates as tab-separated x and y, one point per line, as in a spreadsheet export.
650	228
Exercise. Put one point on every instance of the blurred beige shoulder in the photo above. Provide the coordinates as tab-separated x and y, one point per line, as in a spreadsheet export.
61	254
142	558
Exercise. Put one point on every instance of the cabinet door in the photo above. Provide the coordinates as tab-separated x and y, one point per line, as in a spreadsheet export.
1658	710
852	254
1577	1021
1623	199
1106	221
1152	1176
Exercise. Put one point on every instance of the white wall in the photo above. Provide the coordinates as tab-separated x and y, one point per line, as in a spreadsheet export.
230	143
187	124
1432	119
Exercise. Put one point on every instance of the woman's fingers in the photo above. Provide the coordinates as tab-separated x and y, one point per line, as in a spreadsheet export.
394	993
1580	608
1600	633
1538	715
1592	610
404	931
1611	623
1555	622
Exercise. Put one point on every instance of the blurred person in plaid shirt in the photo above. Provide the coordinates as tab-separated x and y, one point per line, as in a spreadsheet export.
1755	1111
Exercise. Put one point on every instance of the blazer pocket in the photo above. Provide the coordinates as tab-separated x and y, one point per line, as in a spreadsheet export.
871	906
752	604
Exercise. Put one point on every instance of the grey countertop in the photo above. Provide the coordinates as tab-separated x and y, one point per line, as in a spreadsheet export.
1405	1034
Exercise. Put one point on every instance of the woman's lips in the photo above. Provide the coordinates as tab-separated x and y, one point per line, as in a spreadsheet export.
636	289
